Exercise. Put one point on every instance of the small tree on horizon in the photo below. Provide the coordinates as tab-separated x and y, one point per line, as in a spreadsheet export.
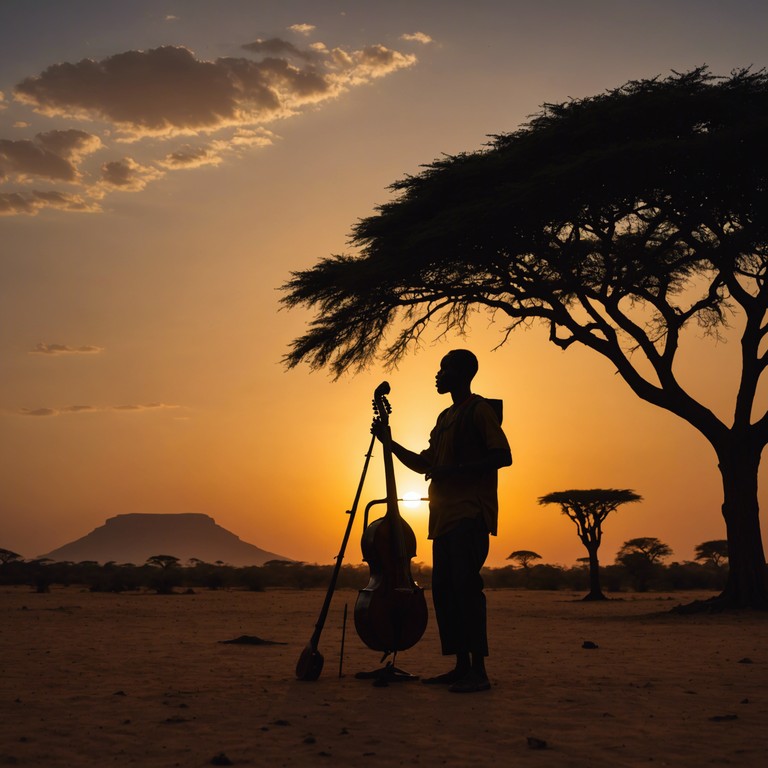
652	549
163	561
164	581
588	509
713	552
7	556
642	558
524	557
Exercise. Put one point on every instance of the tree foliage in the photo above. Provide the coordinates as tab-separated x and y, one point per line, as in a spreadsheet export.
594	206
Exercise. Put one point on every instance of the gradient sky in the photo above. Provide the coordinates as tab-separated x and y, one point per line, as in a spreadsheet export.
165	165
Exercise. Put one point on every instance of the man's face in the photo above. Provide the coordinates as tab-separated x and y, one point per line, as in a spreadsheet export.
447	377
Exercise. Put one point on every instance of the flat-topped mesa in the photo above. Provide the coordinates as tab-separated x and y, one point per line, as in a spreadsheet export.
134	537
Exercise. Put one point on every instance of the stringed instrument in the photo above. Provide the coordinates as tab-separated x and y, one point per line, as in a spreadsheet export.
391	611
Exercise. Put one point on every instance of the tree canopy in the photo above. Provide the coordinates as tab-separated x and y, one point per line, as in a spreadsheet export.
593	206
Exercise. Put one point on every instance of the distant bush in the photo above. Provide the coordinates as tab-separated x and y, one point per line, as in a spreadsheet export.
113	577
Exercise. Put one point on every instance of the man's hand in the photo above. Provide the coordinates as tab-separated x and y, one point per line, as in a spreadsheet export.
377	429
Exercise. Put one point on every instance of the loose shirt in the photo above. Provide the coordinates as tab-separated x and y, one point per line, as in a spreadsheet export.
464	433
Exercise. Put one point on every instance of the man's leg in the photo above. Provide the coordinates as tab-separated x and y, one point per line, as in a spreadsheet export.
457	593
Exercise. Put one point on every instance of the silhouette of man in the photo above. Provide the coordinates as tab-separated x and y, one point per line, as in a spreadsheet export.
466	449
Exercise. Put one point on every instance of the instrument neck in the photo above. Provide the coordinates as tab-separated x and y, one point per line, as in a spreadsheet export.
389	473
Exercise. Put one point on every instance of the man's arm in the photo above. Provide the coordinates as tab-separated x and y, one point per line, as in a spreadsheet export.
414	461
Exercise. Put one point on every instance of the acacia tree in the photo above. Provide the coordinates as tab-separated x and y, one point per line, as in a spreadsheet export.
642	557
714	553
588	509
524	557
7	556
616	220
651	549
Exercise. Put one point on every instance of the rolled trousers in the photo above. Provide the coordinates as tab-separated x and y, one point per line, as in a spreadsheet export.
457	587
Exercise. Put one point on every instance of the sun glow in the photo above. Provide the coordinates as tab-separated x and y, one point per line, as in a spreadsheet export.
412	499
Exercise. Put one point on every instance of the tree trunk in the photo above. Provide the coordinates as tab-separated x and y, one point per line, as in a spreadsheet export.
595	593
746	586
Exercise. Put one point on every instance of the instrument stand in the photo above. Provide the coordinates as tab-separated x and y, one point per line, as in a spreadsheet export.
387	674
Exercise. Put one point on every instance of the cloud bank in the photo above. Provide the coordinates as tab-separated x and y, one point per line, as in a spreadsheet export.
203	109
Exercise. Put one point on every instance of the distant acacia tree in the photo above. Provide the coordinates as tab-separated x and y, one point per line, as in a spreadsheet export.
648	547
524	557
588	510
714	552
6	556
642	557
163	561
168	577
616	221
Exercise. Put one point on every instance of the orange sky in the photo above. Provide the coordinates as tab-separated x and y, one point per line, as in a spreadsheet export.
147	228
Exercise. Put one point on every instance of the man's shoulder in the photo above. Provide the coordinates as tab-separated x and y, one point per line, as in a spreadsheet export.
488	406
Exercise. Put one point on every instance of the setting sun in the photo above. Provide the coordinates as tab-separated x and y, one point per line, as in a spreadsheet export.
412	500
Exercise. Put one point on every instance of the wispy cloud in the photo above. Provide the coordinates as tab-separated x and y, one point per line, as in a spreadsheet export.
65	349
81	409
170	95
417	37
13	203
302	29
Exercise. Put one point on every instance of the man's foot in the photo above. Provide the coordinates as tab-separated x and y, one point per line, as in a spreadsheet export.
447	678
471	682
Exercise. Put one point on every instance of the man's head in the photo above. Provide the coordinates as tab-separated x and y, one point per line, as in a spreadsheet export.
457	369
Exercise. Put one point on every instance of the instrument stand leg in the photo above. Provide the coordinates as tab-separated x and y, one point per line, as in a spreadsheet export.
387	674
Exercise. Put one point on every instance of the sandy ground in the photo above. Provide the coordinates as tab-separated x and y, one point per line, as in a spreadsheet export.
141	679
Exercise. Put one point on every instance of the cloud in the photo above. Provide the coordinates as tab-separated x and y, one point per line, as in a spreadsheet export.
417	37
276	46
188	156
38	412
180	101
79	409
30	203
302	29
127	174
64	349
212	153
52	155
371	62
142	92
143	407
168	91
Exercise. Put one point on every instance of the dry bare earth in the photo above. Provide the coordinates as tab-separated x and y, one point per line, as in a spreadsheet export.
140	679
